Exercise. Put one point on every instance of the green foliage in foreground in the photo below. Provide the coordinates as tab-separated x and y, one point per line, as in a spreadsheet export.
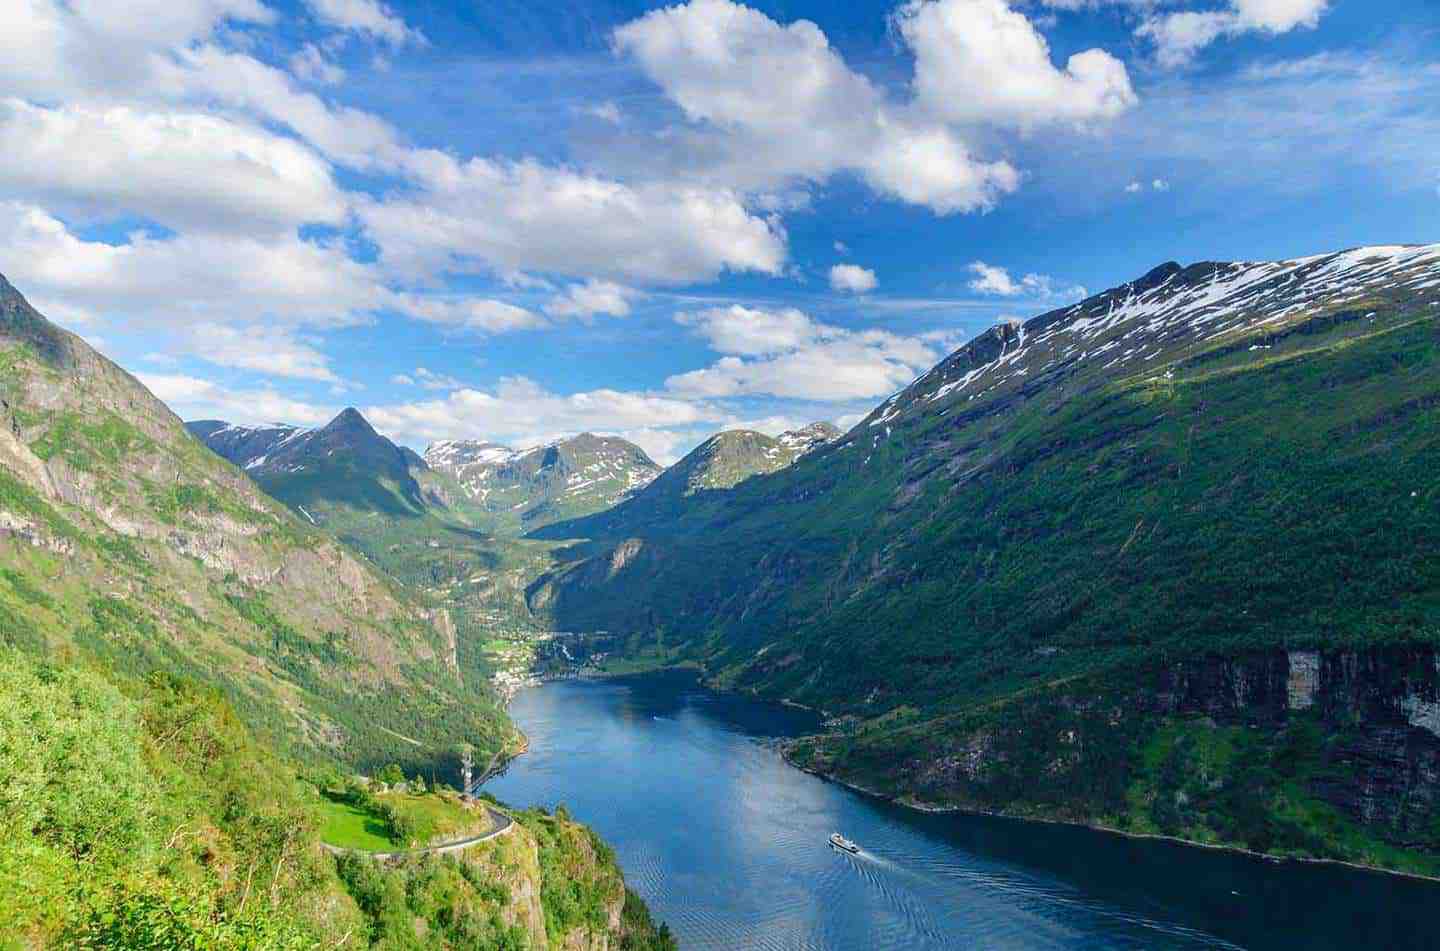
142	816
478	898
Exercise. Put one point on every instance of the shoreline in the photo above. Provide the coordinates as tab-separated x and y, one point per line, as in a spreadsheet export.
934	809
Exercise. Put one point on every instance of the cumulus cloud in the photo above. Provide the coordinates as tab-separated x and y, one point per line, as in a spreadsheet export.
786	354
518	411
982	61
53	48
752	331
208	73
195	279
482	314
852	278
367	17
591	298
1179	36
195	398
185	279
1158	184
993	279
312	65
781	103
483	215
185	170
427	379
274	351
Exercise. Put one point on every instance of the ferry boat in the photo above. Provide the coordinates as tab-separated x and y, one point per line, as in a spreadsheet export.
840	842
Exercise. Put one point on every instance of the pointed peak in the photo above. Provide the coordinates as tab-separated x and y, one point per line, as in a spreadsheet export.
350	418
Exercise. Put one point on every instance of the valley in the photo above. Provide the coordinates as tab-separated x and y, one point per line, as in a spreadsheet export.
1161	563
1077	520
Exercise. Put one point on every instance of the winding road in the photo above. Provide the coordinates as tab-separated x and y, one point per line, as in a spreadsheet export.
501	825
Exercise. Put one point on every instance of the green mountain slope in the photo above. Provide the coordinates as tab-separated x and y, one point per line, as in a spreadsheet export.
122	538
1226	463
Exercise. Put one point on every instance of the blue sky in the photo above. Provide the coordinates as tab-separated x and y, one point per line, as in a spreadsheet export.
523	219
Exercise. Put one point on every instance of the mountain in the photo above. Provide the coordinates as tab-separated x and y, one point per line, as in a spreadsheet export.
720	462
345	462
1166	560
124	540
531	488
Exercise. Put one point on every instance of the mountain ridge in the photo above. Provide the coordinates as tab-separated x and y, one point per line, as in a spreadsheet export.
720	462
529	488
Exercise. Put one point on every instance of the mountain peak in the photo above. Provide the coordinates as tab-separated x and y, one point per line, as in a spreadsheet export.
350	418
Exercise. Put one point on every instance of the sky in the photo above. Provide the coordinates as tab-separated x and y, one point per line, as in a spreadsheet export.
517	220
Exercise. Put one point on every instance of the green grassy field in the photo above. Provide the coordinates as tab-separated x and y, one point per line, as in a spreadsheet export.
435	817
350	827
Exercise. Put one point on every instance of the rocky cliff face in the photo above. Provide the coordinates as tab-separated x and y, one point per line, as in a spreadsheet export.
1341	738
1381	705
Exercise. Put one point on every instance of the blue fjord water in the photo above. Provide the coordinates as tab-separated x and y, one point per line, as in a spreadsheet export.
727	844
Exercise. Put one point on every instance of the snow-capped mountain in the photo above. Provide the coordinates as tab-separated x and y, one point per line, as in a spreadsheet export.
564	479
720	462
1165	318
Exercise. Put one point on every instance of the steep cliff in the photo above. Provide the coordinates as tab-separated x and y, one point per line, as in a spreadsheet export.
547	883
1312	753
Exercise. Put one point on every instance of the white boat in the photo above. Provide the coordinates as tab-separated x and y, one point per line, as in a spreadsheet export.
840	842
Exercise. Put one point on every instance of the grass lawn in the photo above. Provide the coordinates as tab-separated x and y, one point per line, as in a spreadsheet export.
435	818
351	828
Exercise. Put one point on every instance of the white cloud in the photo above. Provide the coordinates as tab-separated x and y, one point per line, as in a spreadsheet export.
186	279
519	411
1160	185
274	351
467	313
210	74
751	331
779	103
1178	36
51	49
194	398
312	65
197	278
786	354
483	215
591	298
993	279
367	17
1134	188
183	169
981	61
428	379
852	278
